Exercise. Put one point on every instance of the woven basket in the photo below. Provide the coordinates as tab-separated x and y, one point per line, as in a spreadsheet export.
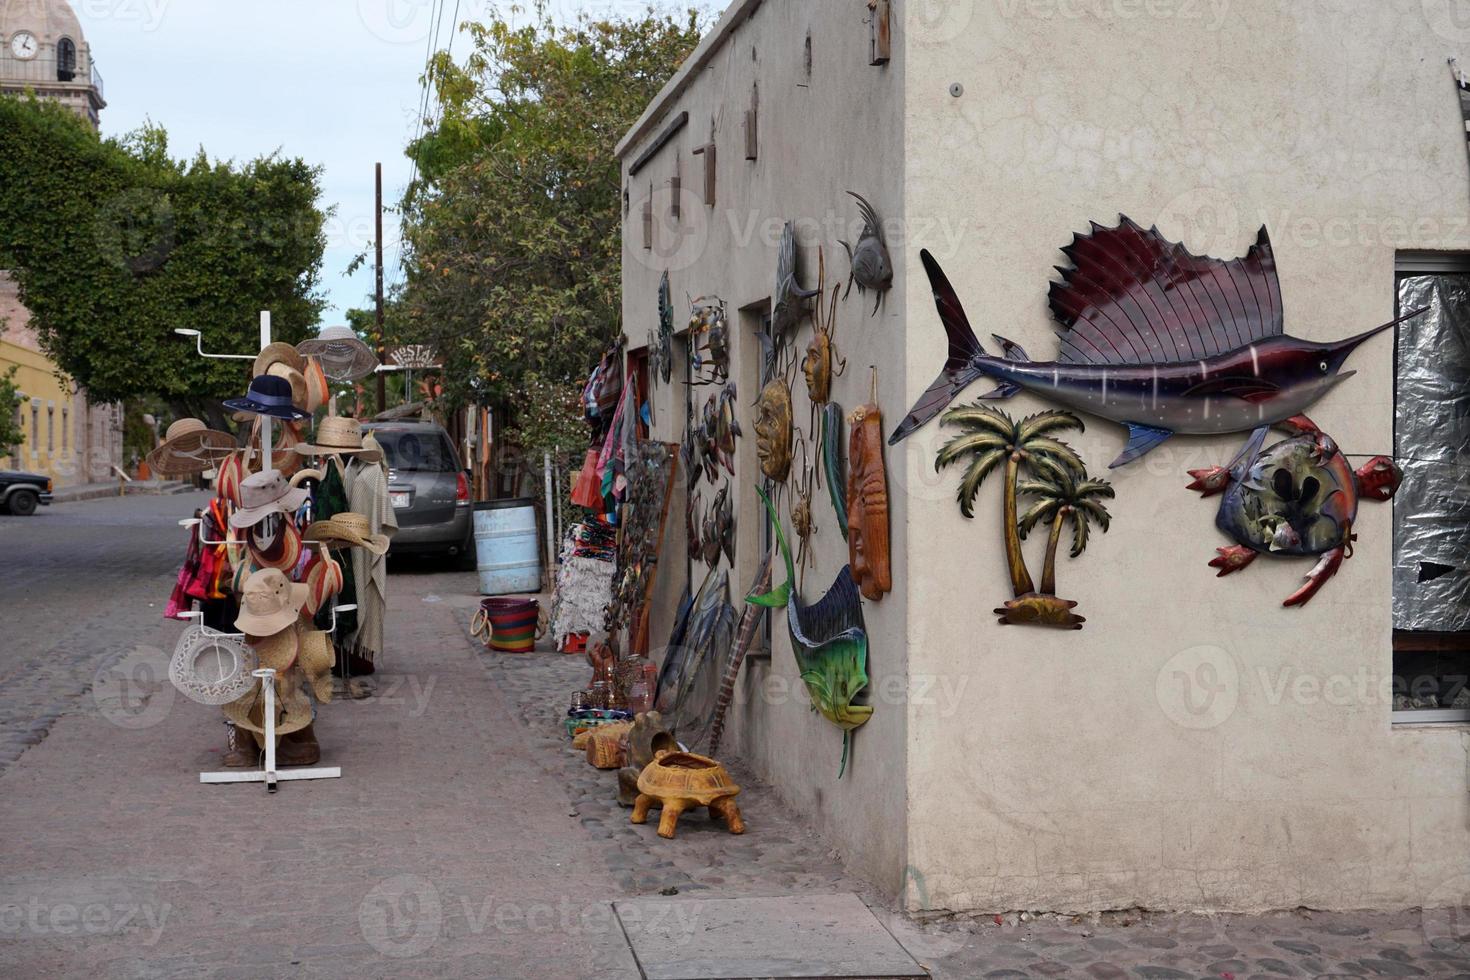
512	624
607	745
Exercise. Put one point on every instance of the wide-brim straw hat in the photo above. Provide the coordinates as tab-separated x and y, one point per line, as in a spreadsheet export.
323	581
277	651
348	530
279	353
318	391
269	603
338	435
300	397
293	707
210	668
268	395
188	447
343	355
282	552
315	658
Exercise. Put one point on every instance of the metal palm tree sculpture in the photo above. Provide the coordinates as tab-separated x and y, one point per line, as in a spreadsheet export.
991	440
1060	499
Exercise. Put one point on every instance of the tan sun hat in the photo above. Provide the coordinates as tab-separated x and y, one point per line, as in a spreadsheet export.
317	389
270	602
278	353
343	354
348	530
300	396
339	435
277	651
263	494
190	446
315	658
293	707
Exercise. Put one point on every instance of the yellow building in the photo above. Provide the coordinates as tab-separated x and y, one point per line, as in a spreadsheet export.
43	51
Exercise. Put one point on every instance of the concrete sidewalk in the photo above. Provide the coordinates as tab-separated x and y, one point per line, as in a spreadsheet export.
442	851
95	491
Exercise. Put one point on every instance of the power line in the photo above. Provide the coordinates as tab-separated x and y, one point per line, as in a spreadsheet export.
427	85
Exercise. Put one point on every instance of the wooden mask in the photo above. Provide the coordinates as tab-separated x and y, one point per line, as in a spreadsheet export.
773	430
867	504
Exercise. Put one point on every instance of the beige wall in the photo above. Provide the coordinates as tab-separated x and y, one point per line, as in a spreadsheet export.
1093	770
839	129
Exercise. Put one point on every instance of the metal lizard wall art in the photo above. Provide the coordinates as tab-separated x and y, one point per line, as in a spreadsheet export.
1152	337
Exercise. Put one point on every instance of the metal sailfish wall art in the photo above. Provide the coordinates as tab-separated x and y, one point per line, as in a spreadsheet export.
872	267
792	302
1297	497
1152	337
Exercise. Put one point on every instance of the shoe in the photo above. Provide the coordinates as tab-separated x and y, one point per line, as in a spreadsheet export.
241	751
299	748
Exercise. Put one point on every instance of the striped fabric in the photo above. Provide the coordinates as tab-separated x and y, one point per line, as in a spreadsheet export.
1462	82
513	624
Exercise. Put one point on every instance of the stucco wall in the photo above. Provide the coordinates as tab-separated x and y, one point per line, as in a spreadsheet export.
1196	745
839	129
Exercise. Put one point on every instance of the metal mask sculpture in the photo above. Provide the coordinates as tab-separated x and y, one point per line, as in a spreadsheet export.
1054	474
1296	497
773	430
709	340
661	345
821	356
829	641
867	503
1154	338
872	268
791	300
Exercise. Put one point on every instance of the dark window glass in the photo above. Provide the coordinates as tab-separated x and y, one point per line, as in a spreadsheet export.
66	60
421	451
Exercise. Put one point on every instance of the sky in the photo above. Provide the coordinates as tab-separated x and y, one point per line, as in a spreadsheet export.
335	82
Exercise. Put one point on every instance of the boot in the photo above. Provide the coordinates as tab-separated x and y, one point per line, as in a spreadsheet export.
241	752
299	748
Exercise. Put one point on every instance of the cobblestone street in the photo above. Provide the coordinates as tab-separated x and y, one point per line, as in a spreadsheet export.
464	838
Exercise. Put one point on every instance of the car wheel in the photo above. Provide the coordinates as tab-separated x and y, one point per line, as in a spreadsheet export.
22	503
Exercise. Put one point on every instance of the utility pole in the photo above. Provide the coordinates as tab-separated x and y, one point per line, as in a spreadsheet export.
382	350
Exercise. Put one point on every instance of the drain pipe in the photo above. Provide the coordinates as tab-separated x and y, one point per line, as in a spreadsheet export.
549	574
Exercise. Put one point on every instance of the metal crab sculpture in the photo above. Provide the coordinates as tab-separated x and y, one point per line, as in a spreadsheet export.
1296	497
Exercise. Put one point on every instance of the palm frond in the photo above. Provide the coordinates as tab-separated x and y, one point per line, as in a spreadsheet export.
1038	488
1043	510
1063	453
974	442
1043	422
982	466
978	416
1080	527
1096	511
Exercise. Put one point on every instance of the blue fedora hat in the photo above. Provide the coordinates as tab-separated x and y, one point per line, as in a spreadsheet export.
268	395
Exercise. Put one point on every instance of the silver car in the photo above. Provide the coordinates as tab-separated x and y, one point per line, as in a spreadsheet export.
429	490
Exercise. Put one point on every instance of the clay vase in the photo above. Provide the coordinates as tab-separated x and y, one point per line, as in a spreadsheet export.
682	781
646	739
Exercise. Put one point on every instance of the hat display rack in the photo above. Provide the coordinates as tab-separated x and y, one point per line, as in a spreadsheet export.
267	774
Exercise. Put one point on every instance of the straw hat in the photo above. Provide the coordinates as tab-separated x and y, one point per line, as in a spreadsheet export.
295	379
323	581
269	603
316	659
227	479
293	707
268	395
339	435
279	353
263	494
190	446
317	389
348	530
283	551
209	668
277	651
343	355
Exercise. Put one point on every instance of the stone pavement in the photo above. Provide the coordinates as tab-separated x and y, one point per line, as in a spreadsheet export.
464	839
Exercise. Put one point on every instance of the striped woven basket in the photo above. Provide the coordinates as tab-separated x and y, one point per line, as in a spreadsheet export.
512	624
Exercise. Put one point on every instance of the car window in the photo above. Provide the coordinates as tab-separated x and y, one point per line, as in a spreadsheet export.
424	451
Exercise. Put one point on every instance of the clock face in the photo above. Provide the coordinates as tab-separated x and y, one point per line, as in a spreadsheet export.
23	45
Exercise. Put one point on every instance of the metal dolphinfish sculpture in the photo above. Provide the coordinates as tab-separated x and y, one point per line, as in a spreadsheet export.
1152	337
1297	497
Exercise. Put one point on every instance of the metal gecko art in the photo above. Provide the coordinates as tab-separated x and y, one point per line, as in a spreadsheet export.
1296	497
872	268
828	639
1152	337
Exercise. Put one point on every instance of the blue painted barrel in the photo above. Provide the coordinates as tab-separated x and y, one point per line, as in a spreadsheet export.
507	548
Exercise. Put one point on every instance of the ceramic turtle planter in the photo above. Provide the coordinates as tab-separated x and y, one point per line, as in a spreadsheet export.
680	781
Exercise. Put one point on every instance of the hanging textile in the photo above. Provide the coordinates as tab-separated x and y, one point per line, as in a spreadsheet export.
367	494
330	500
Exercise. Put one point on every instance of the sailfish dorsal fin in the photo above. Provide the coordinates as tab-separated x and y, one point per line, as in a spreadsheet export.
1131	296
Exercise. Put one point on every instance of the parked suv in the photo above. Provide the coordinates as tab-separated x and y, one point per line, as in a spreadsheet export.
428	488
21	492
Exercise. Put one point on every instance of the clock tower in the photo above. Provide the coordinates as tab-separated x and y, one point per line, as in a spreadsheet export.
42	50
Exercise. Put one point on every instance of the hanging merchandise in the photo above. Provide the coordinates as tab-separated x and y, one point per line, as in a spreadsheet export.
346	529
822	363
338	435
583	581
318	390
773	430
367	495
867	501
343	355
661	344
640	539
211	669
828	639
324	581
263	494
689	687
1141	350
803	520
274	542
1296	497
750	620
792	301
832	462
190	447
709	341
1054	474
268	395
871	266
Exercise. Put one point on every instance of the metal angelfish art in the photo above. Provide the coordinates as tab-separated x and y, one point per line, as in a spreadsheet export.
872	268
1152	337
829	640
1053	474
1296	497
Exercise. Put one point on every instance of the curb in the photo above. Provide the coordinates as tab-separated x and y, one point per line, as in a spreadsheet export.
96	491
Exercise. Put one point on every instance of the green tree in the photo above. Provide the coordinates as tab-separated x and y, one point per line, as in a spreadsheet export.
12	434
114	245
513	230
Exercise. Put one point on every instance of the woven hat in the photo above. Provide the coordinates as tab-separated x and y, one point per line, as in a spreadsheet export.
323	581
227	478
279	353
343	355
293	707
295	379
315	658
263	494
282	550
190	446
209	668
268	395
279	650
339	435
348	530
269	603
317	388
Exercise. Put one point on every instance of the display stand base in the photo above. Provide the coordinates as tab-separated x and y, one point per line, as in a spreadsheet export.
271	778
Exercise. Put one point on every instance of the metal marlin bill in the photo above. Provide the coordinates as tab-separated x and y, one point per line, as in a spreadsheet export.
1153	337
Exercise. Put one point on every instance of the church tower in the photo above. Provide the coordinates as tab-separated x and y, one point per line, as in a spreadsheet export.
45	52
